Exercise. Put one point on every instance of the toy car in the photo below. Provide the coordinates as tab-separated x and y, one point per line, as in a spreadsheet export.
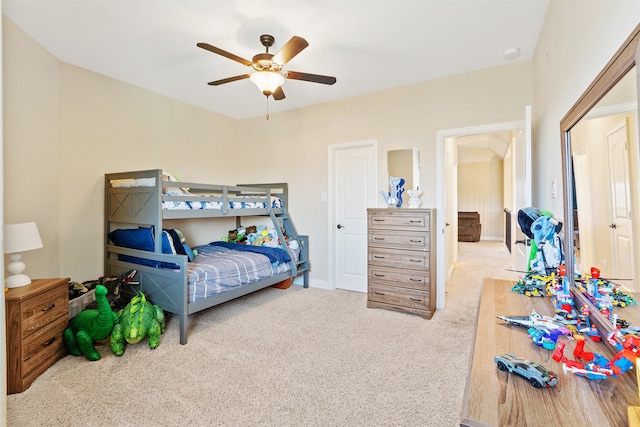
537	375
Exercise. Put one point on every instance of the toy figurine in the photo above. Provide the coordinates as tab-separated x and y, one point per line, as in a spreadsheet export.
89	326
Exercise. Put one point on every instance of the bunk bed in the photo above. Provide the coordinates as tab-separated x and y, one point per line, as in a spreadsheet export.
140	201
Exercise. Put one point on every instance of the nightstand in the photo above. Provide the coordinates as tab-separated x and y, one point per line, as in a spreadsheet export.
36	316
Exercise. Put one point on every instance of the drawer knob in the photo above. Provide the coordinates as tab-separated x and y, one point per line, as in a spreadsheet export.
378	220
415	280
379	293
378	257
378	275
416	260
415	299
417	221
415	241
378	238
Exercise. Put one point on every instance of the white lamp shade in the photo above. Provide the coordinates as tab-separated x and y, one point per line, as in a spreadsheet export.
21	237
267	81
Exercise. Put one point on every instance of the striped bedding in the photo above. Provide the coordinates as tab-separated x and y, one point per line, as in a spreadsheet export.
218	269
276	202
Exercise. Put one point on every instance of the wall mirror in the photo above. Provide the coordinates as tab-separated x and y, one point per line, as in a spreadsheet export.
601	175
405	164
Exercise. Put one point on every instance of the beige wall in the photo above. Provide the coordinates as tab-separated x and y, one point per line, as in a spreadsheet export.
95	125
481	189
577	40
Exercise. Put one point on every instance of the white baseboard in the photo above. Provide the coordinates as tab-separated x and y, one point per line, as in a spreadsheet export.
320	284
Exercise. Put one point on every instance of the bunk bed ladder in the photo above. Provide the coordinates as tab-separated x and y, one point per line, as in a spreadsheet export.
283	221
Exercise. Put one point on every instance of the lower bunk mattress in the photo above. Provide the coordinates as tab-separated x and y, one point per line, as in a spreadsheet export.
221	266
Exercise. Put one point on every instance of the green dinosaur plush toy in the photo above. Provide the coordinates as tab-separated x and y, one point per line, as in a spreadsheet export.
138	319
89	326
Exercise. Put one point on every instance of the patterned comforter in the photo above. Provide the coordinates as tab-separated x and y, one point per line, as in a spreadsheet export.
217	269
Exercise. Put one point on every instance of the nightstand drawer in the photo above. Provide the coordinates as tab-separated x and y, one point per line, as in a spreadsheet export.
399	219
394	276
43	345
398	258
400	297
399	239
38	312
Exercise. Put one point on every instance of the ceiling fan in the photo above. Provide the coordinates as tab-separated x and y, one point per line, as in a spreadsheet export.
268	75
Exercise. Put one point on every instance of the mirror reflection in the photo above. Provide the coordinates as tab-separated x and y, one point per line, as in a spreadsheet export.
405	164
606	217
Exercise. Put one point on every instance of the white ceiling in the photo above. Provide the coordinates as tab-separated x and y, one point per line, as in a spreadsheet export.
367	45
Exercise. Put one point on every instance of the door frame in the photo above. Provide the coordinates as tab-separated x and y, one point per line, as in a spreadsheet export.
441	137
372	144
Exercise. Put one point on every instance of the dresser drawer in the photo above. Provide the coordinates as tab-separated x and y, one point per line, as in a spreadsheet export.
398	277
399	239
37	312
399	219
43	345
402	297
398	258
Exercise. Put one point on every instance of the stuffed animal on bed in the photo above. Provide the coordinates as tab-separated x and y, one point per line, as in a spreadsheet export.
191	253
89	326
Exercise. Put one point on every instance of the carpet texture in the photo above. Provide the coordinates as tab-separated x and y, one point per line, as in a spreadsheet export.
296	357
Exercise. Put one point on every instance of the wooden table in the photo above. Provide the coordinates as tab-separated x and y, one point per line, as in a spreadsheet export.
496	398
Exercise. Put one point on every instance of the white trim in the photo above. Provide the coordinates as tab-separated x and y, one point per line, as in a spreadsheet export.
332	149
441	136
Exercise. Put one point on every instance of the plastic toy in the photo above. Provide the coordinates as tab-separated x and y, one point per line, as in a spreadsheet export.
543	330
137	320
596	366
89	326
538	375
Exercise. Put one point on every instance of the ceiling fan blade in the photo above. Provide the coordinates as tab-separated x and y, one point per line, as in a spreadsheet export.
289	50
228	80
315	78
224	53
278	94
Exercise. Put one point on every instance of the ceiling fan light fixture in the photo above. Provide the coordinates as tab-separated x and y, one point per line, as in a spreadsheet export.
267	81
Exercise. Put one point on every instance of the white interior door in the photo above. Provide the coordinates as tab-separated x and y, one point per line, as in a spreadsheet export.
521	151
451	207
354	187
621	226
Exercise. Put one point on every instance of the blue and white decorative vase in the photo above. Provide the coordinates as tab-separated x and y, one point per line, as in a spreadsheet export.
393	198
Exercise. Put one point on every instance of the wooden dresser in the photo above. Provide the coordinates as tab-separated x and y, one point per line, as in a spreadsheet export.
401	260
37	314
497	398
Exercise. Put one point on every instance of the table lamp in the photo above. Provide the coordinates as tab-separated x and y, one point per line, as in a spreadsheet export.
19	238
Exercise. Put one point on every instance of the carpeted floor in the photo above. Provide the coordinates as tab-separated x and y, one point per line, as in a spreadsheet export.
298	357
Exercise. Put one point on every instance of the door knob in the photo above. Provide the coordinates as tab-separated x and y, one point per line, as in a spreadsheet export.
340	226
612	225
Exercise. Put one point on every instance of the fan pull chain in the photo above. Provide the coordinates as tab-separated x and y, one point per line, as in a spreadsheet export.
267	108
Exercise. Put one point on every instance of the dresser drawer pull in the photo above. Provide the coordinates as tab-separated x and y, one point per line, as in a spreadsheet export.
378	220
417	221
415	299
48	343
379	293
378	275
415	260
379	257
378	238
415	280
51	307
415	241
